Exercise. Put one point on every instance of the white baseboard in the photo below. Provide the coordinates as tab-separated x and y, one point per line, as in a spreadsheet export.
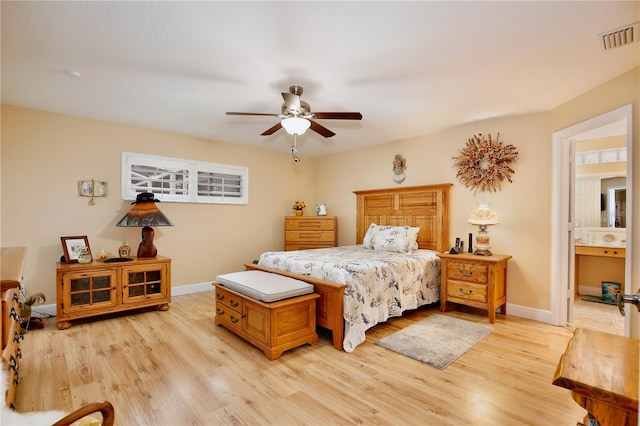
529	313
191	288
50	310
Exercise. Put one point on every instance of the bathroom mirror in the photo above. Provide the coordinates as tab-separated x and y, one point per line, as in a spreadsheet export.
600	176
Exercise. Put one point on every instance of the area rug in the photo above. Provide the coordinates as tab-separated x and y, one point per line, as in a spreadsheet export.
437	340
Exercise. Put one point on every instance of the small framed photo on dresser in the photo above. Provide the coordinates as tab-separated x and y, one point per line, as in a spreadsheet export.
73	247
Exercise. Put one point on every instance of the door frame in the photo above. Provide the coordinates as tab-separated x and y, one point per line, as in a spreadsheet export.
562	226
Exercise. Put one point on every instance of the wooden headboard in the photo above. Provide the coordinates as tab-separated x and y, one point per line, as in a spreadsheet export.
426	206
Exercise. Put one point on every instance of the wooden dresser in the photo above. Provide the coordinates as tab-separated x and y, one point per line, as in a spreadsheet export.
301	233
13	259
601	371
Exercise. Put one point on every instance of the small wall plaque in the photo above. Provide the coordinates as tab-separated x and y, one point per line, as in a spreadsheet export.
92	188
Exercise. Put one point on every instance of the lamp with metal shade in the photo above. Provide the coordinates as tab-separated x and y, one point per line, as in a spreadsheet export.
483	216
145	214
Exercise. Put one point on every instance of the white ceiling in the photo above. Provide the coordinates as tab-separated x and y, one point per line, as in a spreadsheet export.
410	68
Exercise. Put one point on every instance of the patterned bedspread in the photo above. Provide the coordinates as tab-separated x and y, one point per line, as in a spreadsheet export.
380	284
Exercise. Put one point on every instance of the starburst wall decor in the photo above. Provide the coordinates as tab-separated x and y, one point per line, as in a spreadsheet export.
484	164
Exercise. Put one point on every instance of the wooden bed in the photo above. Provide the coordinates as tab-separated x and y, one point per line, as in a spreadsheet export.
425	206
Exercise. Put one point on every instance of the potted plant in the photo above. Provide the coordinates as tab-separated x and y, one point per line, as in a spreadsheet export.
299	206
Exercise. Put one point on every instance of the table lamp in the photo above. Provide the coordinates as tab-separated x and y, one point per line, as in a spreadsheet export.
145	214
483	216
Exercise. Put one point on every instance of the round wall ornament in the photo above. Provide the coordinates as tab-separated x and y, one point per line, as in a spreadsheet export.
484	164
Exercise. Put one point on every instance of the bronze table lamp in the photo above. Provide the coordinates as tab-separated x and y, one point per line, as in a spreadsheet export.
145	214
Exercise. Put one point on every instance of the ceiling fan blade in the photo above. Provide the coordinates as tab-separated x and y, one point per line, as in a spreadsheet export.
272	130
338	115
253	113
291	101
318	128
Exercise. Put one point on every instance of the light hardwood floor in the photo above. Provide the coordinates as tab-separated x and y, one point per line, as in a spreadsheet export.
178	368
598	316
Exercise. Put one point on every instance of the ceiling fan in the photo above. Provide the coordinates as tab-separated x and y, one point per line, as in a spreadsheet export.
297	116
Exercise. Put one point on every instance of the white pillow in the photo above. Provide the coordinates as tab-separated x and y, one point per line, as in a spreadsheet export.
367	241
397	239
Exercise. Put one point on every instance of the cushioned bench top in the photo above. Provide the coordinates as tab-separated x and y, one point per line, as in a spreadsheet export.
264	286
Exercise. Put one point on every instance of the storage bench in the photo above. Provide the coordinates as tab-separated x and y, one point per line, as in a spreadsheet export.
272	312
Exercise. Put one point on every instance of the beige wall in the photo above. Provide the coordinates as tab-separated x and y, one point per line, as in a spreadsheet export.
44	155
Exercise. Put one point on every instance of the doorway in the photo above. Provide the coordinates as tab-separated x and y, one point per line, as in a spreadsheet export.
564	222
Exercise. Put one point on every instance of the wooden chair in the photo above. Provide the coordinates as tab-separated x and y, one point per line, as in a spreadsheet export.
104	407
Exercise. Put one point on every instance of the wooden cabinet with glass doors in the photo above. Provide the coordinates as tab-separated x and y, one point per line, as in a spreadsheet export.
98	288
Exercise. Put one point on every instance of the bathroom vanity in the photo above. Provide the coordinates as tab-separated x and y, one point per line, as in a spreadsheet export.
599	256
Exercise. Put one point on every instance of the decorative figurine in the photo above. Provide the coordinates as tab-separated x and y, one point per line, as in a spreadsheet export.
399	166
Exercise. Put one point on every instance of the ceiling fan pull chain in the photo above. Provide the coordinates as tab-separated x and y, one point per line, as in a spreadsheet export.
294	150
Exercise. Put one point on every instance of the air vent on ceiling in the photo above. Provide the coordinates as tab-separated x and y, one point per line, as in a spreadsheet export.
621	36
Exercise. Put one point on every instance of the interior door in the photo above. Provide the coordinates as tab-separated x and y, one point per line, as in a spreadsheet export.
563	253
571	289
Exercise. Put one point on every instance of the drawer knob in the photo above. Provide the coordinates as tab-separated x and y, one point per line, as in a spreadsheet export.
14	314
13	363
234	320
219	297
220	311
234	304
465	273
462	291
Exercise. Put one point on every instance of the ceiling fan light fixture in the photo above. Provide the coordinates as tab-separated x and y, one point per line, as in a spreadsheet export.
295	125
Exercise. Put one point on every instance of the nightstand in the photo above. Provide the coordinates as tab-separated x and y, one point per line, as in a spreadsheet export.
472	280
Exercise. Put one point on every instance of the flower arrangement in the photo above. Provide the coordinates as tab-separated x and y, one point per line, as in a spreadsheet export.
299	205
484	164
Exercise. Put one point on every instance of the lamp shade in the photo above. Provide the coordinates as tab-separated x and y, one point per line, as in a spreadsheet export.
145	213
295	125
483	215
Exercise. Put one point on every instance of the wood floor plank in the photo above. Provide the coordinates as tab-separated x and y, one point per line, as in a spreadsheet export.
178	367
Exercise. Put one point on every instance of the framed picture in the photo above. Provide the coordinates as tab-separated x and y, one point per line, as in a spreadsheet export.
73	246
92	188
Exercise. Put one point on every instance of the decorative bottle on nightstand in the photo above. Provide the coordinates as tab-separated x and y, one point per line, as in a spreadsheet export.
124	250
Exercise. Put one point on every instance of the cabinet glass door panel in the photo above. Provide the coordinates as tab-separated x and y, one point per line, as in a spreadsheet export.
144	282
80	284
94	290
101	282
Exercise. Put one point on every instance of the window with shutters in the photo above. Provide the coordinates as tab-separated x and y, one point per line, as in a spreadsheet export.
187	181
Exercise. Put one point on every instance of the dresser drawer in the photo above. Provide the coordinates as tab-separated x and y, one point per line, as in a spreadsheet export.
601	251
228	300
307	246
310	224
229	307
467	271
309	236
466	291
10	316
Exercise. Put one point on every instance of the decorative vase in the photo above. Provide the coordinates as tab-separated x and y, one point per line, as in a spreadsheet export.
84	257
299	212
124	250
